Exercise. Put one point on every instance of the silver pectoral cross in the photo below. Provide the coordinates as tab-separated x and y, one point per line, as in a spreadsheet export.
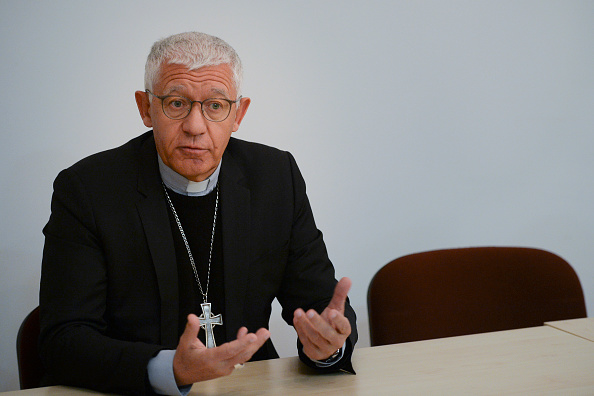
207	321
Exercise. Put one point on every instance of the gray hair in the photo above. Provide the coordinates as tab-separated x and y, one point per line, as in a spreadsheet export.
192	50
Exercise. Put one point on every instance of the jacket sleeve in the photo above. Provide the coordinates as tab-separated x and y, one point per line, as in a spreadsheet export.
309	279
74	345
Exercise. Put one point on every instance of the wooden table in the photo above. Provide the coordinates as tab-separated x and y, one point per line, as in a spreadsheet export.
534	361
579	327
541	360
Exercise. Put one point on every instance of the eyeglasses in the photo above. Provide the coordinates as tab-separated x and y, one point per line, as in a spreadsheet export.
179	107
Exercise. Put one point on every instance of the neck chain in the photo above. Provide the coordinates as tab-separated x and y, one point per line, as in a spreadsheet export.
183	234
207	319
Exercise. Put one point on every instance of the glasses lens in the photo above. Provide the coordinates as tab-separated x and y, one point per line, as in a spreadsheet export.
216	109
176	107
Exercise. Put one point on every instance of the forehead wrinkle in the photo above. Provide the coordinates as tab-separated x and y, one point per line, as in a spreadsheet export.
197	78
172	70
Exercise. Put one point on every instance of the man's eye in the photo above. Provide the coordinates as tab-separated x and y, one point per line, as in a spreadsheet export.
215	105
176	103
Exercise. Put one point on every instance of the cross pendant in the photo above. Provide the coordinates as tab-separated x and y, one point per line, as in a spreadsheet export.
207	321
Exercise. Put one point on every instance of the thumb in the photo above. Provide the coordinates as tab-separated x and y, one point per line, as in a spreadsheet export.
340	294
190	334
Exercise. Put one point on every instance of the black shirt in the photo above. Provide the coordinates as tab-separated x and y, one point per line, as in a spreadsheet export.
196	214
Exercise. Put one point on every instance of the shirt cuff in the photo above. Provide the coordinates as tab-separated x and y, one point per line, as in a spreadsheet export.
161	377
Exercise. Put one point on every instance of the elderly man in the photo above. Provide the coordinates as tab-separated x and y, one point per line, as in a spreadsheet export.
162	257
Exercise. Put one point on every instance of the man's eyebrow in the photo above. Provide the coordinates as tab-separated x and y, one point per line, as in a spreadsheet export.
174	89
220	92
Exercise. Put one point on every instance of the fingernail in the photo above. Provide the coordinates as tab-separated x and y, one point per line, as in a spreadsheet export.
298	313
333	314
310	314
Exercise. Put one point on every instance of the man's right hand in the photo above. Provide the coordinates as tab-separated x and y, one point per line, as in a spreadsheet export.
193	362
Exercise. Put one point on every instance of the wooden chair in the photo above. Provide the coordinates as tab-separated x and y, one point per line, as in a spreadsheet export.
454	292
30	368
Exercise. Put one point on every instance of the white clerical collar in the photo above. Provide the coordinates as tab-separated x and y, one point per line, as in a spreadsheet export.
181	185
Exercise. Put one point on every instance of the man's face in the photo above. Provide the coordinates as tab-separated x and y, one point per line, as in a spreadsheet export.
193	146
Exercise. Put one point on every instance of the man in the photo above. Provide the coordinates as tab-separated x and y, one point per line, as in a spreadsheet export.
185	221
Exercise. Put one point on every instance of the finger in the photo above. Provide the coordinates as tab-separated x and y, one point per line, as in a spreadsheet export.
319	324
315	334
262	335
242	332
321	332
187	350
340	294
300	323
190	334
315	346
233	348
241	350
247	341
339	322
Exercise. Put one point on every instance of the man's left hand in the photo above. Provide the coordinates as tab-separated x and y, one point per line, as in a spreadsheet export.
322	335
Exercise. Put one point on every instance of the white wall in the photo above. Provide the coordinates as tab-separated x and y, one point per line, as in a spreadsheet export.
417	125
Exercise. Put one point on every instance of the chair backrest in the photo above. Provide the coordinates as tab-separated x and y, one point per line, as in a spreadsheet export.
30	368
453	292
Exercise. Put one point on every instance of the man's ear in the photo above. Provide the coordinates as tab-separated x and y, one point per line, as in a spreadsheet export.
242	107
144	104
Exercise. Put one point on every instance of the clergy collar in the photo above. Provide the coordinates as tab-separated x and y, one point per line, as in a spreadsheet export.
181	185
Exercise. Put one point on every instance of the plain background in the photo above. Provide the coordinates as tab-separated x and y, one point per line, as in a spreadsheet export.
418	125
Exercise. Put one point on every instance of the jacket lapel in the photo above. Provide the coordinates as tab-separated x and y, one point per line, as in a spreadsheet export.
235	217
152	209
235	214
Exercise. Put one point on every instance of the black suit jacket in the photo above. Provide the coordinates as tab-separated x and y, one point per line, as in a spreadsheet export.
109	285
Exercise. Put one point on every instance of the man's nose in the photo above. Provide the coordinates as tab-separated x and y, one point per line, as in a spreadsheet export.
195	123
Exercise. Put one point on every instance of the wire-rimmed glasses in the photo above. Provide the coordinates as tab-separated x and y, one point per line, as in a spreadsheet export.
178	107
